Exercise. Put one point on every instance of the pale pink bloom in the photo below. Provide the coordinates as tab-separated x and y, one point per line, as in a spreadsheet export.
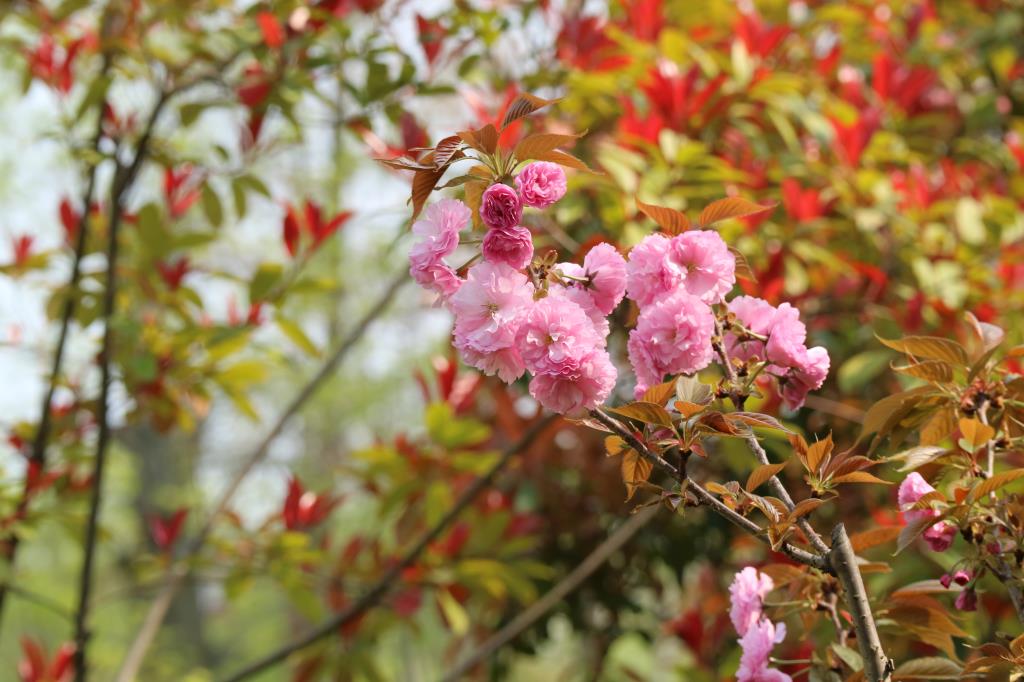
757	644
541	184
672	336
785	345
939	536
489	305
500	207
439	237
747	593
606	268
505	363
583	299
648	274
808	377
555	336
756	314
575	396
512	246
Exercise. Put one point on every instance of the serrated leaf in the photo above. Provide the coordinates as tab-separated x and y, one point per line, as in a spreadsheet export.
731	207
659	394
859	477
446	150
743	269
874	537
912	531
805	507
976	433
423	183
669	219
918	456
993	484
929	370
818	452
648	413
635	470
524	105
929	668
614	446
759	420
761	474
488	137
541	143
687	409
692	390
565	159
929	347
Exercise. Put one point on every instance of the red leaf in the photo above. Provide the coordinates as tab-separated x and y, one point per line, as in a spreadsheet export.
432	35
290	230
166	529
273	32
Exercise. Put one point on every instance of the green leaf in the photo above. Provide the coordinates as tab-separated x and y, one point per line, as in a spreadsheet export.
862	369
294	332
211	206
263	282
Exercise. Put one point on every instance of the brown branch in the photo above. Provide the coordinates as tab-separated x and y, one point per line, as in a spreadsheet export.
555	595
380	588
706	498
9	545
123	181
179	570
877	666
738	399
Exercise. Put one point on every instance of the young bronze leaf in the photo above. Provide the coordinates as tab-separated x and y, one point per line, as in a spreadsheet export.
613	446
976	433
669	219
929	347
929	668
912	531
743	268
761	474
471	138
993	484
422	185
635	470
687	409
524	105
474	195
758	419
805	507
874	537
918	456
818	452
660	394
732	207
859	477
488	136
564	159
446	149
939	427
929	370
541	143
693	390
648	413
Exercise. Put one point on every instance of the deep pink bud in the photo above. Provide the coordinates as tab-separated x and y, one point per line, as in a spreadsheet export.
500	207
967	600
512	246
541	184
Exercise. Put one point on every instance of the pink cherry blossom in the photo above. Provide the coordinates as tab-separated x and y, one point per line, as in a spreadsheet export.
584	300
541	184
574	396
747	593
512	246
555	336
697	261
785	345
967	600
606	269
439	233
939	536
757	644
672	336
500	207
489	305
806	378
757	315
505	363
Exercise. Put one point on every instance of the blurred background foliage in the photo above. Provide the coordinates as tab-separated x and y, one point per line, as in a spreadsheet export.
259	232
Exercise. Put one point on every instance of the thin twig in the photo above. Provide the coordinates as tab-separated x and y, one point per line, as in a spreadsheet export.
706	498
180	569
567	585
877	666
380	588
42	435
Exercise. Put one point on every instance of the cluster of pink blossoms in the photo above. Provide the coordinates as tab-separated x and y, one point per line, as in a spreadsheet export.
758	634
504	324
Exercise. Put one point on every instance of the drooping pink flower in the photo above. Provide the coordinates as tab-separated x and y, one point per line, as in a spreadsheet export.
757	645
672	336
500	207
808	377
555	336
439	237
573	397
939	536
512	246
606	269
967	600
786	339
747	593
489	305
541	184
756	314
697	261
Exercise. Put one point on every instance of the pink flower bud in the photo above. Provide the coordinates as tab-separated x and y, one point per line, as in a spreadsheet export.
541	184
967	600
500	207
512	246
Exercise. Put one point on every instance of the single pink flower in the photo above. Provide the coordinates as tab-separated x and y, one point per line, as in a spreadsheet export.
697	261
512	246
500	207
757	644
747	593
439	237
606	269
541	184
574	396
808	377
489	305
555	336
785	345
756	314
672	336
939	536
